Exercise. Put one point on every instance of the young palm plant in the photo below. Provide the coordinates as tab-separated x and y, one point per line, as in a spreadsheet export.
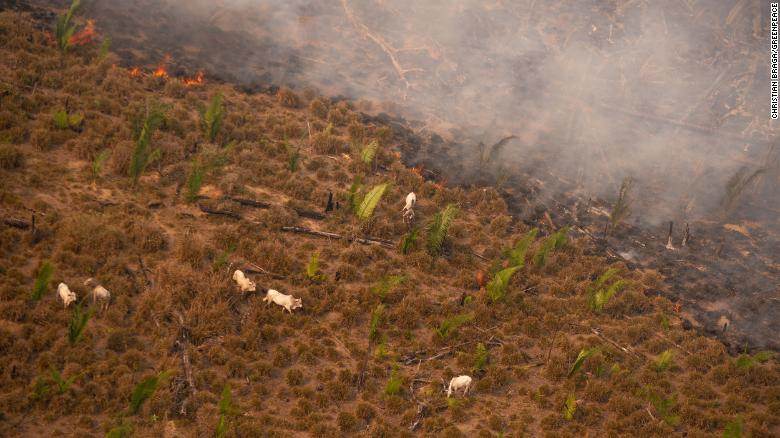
439	229
143	154
211	118
78	322
622	208
146	389
367	206
226	410
496	288
554	241
65	29
42	280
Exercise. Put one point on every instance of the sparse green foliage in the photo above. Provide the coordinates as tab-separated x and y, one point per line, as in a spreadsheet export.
313	268
439	229
747	361
480	357
104	47
97	163
734	429
376	319
665	408
353	197
517	254
63	120
409	241
226	410
222	259
394	383
146	389
554	241
293	158
599	295
40	389
386	285
123	430
65	29
622	208
664	361
78	322
496	288
211	117
368	153
143	154
195	180
735	186
62	384
449	325
370	201
42	280
569	407
584	354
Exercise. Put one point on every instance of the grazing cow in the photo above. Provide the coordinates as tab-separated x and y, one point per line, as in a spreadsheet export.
459	383
245	284
287	301
98	293
408	210
65	294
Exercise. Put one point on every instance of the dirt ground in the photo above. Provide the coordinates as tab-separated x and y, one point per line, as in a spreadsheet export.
384	323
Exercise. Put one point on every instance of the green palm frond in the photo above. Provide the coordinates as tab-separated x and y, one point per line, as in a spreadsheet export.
370	201
368	153
584	354
664	361
554	241
211	118
496	288
42	280
439	229
146	389
517	254
569	407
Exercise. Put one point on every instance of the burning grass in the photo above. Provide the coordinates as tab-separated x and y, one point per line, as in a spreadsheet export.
383	325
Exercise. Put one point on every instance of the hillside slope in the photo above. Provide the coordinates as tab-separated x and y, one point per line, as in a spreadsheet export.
380	330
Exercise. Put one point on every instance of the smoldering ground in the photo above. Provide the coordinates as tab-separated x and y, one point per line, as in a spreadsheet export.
673	94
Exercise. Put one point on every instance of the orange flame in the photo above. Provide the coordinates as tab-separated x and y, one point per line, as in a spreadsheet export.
160	72
135	72
84	36
197	80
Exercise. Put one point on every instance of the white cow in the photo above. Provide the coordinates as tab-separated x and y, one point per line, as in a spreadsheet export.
408	210
98	293
65	294
245	284
459	383
287	301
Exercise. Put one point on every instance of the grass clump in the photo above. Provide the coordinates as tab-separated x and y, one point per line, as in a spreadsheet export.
226	409
746	361
98	162
63	120
146	389
386	285
480	358
439	229
394	383
554	241
211	117
734	429
42	280
376	319
10	157
496	288
78	322
664	361
63	385
143	154
450	325
599	294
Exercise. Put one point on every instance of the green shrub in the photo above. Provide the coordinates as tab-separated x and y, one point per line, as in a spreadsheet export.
78	322
42	280
439	229
496	288
211	117
143	154
449	325
146	389
554	241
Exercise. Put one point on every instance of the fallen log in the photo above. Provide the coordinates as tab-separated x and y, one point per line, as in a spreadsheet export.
16	223
363	240
302	212
252	268
209	210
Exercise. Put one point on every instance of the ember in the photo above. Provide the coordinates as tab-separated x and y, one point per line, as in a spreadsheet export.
197	80
135	72
160	72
